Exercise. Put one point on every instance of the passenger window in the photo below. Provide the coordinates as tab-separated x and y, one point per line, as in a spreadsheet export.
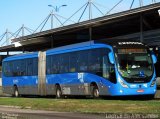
64	61
29	67
73	62
55	69
48	65
95	62
21	68
83	61
35	66
7	68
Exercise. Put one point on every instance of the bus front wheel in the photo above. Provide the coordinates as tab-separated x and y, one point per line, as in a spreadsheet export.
16	93
95	92
58	92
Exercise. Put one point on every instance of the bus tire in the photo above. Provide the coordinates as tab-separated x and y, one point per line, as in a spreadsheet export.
16	92
58	92
95	92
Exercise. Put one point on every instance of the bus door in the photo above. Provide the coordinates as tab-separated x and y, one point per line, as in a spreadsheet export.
42	73
108	70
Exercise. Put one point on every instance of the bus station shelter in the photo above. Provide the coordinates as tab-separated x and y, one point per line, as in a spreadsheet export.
139	24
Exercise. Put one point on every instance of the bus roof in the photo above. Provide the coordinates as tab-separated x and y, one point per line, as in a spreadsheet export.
22	56
77	47
109	43
63	49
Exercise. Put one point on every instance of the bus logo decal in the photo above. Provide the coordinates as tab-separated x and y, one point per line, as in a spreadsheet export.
80	77
15	81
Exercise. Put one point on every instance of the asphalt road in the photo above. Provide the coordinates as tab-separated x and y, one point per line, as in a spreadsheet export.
17	113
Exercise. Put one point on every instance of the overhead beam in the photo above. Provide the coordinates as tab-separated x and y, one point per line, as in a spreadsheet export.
92	22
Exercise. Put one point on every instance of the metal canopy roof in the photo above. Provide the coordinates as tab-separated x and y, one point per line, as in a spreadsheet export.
115	25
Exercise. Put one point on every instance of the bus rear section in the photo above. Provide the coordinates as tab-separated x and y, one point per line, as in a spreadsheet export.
20	74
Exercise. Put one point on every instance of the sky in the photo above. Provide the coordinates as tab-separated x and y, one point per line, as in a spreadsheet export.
31	13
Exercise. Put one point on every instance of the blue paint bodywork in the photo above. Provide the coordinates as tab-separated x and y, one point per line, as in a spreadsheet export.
78	78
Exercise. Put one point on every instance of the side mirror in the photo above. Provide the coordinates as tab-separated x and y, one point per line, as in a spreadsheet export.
111	58
154	58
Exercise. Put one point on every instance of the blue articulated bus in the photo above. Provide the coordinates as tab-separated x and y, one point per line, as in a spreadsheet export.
89	69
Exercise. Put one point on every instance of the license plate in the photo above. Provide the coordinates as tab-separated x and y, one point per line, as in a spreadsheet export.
140	91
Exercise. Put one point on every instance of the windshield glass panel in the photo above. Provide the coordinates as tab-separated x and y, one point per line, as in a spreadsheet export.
134	64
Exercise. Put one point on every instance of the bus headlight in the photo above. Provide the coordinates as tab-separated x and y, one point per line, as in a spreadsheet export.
123	84
153	82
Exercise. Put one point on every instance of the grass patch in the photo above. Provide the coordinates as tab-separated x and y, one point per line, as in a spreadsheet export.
85	105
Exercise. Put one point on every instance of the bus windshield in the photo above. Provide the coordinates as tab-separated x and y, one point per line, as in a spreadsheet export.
134	65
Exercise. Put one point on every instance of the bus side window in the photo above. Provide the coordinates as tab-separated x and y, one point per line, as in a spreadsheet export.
21	71
35	66
64	61
7	69
29	67
55	64
108	70
95	61
73	62
83	61
10	68
48	64
15	68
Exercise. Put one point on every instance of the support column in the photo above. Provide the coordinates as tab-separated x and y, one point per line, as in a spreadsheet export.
90	9
141	28
23	49
52	39
52	19
23	28
7	37
153	1
141	3
7	53
90	33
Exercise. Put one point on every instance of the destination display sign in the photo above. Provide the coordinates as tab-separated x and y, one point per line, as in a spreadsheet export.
130	43
132	50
